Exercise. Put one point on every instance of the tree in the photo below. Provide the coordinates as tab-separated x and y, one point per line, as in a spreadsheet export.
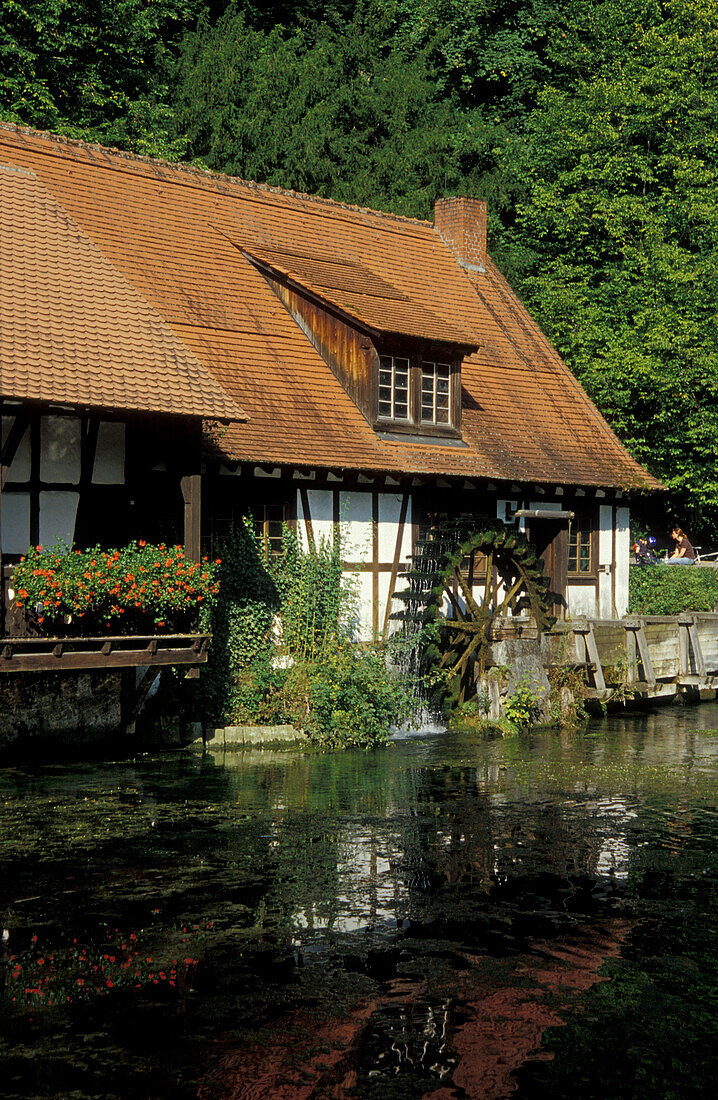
322	109
93	69
622	219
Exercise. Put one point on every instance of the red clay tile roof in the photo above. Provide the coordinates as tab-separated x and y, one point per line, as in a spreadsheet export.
175	234
74	330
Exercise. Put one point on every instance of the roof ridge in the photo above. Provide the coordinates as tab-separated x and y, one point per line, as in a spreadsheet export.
206	175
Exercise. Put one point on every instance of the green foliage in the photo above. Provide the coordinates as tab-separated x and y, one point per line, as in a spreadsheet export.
94	69
282	648
671	589
240	677
347	695
523	706
315	599
320	108
622	217
142	587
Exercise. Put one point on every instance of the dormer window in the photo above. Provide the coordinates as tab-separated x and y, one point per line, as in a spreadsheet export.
435	393
418	393
393	387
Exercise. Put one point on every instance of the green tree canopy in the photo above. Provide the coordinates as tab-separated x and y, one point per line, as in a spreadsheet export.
622	219
94	68
321	108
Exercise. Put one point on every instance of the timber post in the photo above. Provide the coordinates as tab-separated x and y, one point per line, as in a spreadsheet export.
191	486
583	629
637	650
689	640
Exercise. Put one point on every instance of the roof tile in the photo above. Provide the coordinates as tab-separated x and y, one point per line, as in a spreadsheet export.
174	236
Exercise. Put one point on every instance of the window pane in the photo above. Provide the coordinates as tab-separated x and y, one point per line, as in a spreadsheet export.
435	392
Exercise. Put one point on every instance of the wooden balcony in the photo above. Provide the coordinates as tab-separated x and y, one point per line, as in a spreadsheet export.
28	654
24	649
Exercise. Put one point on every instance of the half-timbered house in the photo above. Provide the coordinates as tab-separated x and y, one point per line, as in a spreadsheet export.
386	374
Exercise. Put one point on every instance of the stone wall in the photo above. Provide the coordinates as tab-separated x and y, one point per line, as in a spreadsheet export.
50	710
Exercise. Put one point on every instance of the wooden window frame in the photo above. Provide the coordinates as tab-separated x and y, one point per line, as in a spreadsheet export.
589	523
263	525
414	425
393	367
436	366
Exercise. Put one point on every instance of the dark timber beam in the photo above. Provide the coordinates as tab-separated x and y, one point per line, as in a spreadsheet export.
191	485
9	450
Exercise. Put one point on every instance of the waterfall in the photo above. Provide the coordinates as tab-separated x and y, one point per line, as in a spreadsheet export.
427	570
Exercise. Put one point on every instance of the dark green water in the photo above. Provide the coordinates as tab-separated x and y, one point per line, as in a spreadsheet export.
443	918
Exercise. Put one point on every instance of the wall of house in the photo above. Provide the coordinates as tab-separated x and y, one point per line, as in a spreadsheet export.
42	491
89	480
379	528
381	518
377	535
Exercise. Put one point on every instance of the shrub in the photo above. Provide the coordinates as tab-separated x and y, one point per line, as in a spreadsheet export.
139	588
347	696
523	707
671	589
282	648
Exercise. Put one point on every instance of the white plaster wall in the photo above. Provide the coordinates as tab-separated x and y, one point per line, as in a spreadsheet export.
505	510
356	523
15	523
58	512
623	557
109	468
60	449
384	586
363	620
355	517
389	511
581	600
321	510
20	467
605	558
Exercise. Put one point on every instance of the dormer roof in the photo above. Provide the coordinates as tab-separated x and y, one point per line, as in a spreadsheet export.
360	295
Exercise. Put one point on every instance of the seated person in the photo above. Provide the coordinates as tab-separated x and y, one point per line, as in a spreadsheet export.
684	554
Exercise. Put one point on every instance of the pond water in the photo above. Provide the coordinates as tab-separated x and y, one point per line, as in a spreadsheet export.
442	918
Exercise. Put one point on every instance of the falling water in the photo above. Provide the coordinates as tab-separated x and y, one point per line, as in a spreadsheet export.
428	566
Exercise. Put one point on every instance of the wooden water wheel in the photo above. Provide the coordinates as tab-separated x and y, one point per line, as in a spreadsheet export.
471	585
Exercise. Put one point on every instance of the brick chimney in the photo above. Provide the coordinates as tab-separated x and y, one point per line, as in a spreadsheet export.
461	224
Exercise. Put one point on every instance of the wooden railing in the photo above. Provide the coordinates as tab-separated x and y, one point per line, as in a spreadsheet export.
646	655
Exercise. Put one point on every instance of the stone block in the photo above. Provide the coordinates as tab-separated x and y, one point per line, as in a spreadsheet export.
239	736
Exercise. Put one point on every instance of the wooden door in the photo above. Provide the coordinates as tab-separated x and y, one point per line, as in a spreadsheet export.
550	537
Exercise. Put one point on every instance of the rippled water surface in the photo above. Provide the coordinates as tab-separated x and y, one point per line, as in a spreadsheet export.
444	918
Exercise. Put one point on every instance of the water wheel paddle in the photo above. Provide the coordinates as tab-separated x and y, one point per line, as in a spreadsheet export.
469	583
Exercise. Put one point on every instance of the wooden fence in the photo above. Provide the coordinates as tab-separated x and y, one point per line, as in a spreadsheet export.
646	655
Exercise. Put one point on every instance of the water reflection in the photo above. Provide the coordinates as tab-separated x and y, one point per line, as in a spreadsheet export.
403	923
